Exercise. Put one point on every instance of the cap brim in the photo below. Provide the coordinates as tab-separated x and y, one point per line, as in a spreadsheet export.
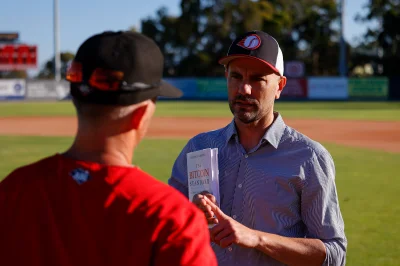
125	97
227	59
170	91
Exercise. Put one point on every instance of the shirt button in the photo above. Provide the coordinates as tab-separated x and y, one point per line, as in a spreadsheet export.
234	216
246	156
229	249
240	185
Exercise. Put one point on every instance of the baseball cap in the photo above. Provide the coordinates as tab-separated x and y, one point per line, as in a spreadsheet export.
258	45
118	68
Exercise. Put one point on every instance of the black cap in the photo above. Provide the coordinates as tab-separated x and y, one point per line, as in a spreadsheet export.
258	45
136	57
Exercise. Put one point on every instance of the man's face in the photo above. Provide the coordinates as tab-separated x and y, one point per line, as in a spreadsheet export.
252	89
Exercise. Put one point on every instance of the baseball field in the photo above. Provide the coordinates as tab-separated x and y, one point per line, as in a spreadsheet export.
363	138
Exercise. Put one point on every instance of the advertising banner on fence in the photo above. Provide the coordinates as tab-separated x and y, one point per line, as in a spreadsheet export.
295	89
212	89
12	89
46	89
369	88
327	88
187	85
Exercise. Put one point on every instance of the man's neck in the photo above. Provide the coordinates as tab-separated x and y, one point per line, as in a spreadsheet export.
109	151
251	134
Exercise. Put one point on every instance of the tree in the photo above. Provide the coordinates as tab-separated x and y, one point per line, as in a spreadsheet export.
47	72
383	41
194	41
319	40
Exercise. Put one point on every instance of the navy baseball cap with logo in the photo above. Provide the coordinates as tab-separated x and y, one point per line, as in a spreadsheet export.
118	68
258	45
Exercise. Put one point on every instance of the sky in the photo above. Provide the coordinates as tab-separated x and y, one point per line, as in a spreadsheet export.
79	19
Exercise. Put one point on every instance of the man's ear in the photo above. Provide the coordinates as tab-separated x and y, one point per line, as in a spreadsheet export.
282	84
137	116
227	71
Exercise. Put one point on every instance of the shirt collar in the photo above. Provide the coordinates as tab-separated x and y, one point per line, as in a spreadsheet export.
230	130
273	134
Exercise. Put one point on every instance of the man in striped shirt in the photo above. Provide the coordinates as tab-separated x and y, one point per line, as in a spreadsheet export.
278	199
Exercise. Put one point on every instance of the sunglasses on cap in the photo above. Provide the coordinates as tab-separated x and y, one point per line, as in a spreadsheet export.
105	79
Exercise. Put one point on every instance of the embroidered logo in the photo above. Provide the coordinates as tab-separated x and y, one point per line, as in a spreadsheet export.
85	89
250	42
80	175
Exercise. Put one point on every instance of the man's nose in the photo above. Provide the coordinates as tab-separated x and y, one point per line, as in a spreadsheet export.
245	88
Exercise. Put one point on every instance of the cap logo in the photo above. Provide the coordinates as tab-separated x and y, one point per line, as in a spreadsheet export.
250	42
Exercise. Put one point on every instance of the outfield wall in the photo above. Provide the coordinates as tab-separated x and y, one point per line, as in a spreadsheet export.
310	88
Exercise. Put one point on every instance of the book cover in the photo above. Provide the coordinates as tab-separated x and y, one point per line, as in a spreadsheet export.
202	171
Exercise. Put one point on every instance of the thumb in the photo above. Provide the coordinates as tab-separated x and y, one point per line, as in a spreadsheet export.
217	211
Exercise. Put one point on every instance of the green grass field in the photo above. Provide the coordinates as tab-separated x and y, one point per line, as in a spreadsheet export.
332	110
366	179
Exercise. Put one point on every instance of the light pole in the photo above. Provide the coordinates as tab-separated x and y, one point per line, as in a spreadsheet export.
342	57
57	63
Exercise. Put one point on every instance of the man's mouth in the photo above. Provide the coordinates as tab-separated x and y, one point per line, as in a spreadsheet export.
244	103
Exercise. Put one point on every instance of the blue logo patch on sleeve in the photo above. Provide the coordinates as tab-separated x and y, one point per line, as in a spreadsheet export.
80	175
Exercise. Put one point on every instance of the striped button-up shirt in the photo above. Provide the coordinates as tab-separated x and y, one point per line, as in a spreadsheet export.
285	186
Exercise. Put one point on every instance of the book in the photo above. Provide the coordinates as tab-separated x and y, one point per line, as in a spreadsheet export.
203	174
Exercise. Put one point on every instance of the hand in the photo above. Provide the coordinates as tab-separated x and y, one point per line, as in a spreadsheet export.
201	203
228	231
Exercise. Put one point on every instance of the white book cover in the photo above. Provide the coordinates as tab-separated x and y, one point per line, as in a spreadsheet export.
202	170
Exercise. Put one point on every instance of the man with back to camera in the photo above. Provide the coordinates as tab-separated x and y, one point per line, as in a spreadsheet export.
278	200
89	205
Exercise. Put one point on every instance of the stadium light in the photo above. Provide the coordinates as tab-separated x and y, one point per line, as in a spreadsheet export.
342	57
57	64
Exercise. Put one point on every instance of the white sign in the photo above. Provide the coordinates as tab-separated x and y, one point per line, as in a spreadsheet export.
12	89
328	88
46	89
294	69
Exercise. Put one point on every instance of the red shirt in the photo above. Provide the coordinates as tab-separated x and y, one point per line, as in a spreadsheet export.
59	211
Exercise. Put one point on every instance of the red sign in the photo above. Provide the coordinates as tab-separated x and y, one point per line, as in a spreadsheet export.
18	57
295	88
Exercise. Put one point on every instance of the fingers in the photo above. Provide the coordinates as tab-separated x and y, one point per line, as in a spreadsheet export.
227	241
208	195
214	231
212	220
211	197
197	198
200	201
207	211
215	209
221	235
